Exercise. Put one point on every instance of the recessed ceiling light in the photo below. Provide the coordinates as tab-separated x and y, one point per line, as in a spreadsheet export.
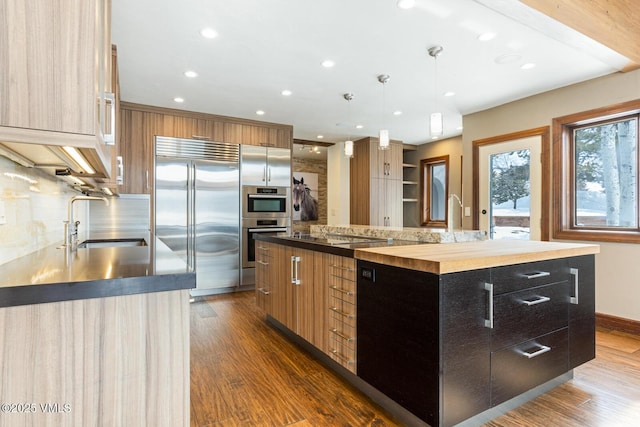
208	33
449	93
485	37
528	66
434	137
320	136
178	99
286	92
459	128
359	126
397	113
406	4
328	63
507	58
260	112
190	74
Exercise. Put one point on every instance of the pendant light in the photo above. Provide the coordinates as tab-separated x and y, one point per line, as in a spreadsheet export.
435	121
348	144
384	133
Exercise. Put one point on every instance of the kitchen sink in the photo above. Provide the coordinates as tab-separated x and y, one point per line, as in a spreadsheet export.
112	243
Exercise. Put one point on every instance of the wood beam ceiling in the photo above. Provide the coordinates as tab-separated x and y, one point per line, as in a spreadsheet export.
613	23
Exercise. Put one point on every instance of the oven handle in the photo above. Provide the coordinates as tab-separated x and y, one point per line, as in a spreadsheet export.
267	196
266	230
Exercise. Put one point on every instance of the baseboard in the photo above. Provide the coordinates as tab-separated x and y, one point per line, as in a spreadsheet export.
618	323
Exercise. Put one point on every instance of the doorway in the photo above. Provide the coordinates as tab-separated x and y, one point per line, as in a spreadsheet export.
511	182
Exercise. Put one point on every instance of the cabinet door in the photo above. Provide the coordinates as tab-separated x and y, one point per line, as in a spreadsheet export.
282	290
394	161
466	345
232	132
393	202
256	135
139	130
581	310
281	137
41	88
304	293
377	202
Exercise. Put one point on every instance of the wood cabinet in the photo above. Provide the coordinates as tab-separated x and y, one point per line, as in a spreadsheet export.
376	184
265	275
56	75
141	124
449	347
296	280
342	314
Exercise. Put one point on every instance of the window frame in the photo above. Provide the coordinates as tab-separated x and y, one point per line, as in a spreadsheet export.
426	166
564	226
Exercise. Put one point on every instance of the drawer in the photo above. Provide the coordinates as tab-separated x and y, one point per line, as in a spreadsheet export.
342	289
516	369
342	330
343	268
518	316
342	310
522	276
342	354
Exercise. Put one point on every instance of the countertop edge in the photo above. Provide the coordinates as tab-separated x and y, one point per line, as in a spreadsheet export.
59	292
435	263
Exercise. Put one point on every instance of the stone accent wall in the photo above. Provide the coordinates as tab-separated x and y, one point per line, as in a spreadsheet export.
319	167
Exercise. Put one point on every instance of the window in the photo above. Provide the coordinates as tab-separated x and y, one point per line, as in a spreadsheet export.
434	178
596	174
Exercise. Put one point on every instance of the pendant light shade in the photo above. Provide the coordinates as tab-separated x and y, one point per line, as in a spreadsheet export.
383	143
435	124
348	148
348	144
384	139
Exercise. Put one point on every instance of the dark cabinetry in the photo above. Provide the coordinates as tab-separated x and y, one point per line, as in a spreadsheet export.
448	347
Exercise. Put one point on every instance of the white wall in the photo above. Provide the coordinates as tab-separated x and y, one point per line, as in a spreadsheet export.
618	264
338	167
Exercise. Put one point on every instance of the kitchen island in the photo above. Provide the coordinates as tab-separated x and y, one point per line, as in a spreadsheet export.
95	336
439	334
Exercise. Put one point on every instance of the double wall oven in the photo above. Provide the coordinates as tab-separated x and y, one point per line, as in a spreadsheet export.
265	210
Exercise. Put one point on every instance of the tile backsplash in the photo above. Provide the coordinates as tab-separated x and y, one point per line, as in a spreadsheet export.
33	206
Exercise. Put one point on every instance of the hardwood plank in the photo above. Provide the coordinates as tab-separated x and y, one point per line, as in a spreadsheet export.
245	373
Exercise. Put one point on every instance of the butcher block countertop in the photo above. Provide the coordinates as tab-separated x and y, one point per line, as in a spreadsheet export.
456	257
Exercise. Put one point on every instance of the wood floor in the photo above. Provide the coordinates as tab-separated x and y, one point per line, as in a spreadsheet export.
244	373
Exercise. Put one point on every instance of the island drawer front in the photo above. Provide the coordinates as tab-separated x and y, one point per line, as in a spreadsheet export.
518	316
513	372
523	276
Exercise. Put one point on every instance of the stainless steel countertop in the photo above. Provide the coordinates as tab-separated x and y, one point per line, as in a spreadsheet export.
52	274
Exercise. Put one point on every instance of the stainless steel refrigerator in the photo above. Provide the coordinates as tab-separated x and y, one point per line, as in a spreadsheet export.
197	208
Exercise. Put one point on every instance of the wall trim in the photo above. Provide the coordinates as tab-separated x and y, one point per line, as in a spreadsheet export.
618	323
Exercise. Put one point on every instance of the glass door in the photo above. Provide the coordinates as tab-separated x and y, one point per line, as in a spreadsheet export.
510	189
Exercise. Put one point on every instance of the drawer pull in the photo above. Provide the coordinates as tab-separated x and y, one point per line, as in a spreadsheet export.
341	335
537	300
262	263
488	323
344	358
543	349
342	313
536	274
344	291
342	268
261	290
576	283
264	248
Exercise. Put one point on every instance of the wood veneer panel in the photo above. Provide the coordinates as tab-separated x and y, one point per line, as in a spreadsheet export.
456	257
115	361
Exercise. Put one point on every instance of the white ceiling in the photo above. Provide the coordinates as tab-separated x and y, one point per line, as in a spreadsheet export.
265	46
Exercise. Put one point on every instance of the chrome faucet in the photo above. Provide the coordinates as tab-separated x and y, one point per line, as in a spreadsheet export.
71	226
453	196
